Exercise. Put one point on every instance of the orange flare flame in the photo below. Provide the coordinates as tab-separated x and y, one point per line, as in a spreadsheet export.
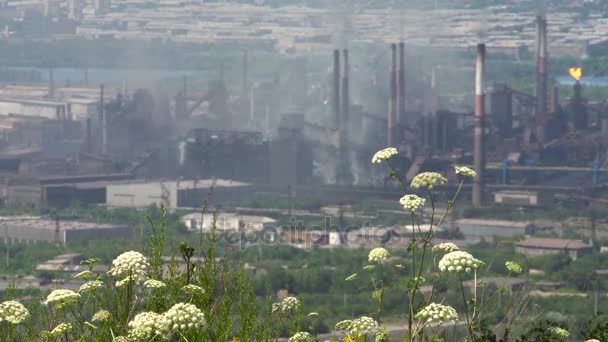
576	73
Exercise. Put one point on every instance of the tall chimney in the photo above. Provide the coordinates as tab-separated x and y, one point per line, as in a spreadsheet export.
541	75
103	121
479	148
88	136
244	91
344	120
401	87
392	101
336	90
51	83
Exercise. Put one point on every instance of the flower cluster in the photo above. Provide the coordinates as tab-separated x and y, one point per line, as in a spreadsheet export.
131	265
90	286
193	289
378	255
384	154
343	325
147	325
120	339
513	267
287	305
101	316
301	337
412	202
62	297
183	316
428	180
458	261
61	329
445	247
465	171
13	312
559	332
154	284
84	275
437	313
362	326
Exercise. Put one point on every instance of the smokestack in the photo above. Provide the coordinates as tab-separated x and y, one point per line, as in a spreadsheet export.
336	91
392	101
345	96
51	82
244	91
88	137
103	121
541	75
401	87
479	148
554	99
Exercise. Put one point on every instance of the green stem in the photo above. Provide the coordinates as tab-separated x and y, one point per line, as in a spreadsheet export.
399	179
466	308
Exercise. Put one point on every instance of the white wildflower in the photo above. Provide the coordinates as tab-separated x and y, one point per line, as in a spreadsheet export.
592	340
130	264
351	277
290	305
437	313
193	289
384	154
378	255
362	326
301	337
61	329
147	325
560	332
445	247
90	286
343	325
412	202
513	267
465	171
13	312
101	316
62	297
84	275
154	284
428	180
121	339
458	261
183	317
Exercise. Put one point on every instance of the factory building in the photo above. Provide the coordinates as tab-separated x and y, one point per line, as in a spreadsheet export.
38	229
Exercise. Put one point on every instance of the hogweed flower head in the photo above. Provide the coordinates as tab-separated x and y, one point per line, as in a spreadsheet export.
147	325
592	340
412	202
378	255
384	154
101	316
445	247
84	275
458	261
154	284
428	180
437	313
121	339
61	298
13	312
301	337
61	329
362	326
351	277
466	172
559	332
343	325
90	286
290	305
183	317
132	265
513	267
193	289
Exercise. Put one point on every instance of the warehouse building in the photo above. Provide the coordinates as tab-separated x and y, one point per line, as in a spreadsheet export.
31	229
